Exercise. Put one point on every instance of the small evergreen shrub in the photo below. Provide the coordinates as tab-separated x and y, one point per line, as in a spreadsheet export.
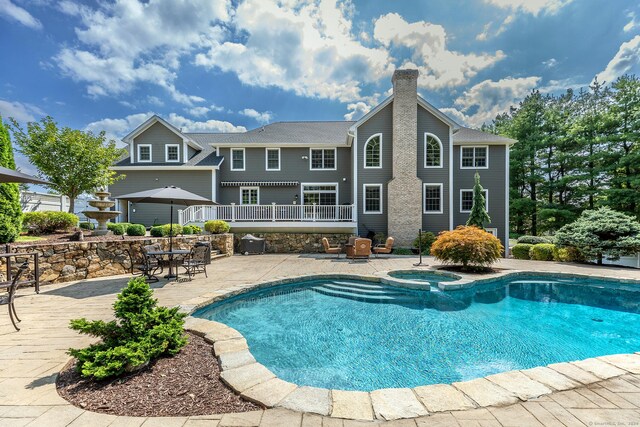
467	245
136	230
533	240
118	230
542	252
174	231
86	225
156	231
187	230
112	225
402	251
427	239
142	332
521	250
217	226
196	229
567	254
49	222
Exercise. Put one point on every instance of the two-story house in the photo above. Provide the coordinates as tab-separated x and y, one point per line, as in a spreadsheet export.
403	166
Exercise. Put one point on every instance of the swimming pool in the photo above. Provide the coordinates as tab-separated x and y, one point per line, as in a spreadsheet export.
361	335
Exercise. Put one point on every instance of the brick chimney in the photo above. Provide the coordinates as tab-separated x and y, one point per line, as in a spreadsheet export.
404	192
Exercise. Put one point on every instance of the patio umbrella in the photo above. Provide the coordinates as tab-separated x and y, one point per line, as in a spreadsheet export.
167	195
10	175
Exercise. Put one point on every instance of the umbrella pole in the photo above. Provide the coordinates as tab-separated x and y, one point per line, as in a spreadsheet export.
171	229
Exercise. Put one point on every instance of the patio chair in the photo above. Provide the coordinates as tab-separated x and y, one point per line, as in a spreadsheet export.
11	287
387	248
196	262
143	264
361	249
328	249
349	247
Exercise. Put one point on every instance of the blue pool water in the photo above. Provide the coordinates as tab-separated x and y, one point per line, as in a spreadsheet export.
353	335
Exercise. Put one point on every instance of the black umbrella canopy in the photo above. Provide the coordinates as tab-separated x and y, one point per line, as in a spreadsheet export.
10	175
170	194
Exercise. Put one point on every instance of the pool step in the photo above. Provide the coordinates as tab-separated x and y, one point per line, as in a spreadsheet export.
367	293
362	291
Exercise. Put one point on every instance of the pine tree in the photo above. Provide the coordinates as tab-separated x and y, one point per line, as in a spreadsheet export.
10	212
478	216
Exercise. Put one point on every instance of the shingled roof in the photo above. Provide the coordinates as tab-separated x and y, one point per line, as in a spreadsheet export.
473	136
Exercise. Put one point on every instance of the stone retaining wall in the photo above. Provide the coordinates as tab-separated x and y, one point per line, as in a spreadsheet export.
296	242
64	262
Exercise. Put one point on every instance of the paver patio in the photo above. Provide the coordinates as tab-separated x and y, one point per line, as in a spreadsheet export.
31	358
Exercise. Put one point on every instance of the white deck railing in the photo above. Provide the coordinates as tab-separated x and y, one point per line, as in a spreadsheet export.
267	213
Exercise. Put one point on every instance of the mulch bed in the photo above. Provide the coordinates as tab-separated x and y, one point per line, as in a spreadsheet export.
186	384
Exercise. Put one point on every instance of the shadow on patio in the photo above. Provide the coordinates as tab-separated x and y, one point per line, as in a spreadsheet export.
96	287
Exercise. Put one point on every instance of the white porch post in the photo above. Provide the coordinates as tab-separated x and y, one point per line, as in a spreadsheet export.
233	212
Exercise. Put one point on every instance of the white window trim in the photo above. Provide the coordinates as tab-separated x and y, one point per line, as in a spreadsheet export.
150	153
249	188
486	199
426	135
492	230
266	159
424	201
244	159
486	166
364	158
166	153
364	199
335	157
305	184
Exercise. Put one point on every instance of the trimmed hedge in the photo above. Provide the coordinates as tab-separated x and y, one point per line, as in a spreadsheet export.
156	231
118	229
534	240
542	252
49	222
521	250
217	226
86	225
187	230
112	225
196	229
168	229
136	230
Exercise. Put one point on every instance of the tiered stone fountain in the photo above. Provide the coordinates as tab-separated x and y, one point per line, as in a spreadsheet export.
102	215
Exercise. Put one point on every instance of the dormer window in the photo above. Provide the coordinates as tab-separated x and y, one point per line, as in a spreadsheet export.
171	153
144	153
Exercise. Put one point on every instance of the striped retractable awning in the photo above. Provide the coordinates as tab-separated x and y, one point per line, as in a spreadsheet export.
259	183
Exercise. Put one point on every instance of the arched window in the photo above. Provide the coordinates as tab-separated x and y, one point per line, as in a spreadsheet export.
432	151
373	152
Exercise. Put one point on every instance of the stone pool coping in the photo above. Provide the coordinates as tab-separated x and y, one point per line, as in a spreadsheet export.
254	382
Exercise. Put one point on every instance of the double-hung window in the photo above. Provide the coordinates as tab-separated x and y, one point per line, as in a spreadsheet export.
171	153
144	153
372	198
249	195
272	159
373	152
323	159
466	200
432	198
474	157
237	159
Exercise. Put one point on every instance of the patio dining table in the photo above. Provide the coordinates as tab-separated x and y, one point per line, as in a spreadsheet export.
171	254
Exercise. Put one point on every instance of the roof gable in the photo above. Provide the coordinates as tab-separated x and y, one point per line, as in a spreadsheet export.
157	119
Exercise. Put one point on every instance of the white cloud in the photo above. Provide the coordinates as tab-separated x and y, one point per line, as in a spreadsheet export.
457	115
632	24
489	98
439	67
19	14
203	111
116	129
357	110
260	117
307	48
624	61
130	42
22	112
550	63
485	34
534	7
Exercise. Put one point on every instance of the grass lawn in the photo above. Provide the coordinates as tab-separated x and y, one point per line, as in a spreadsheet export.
28	239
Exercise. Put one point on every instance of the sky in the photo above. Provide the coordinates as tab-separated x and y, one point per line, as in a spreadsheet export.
233	65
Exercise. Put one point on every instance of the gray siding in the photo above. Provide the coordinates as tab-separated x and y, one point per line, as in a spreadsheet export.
493	179
379	123
292	168
157	135
195	181
427	122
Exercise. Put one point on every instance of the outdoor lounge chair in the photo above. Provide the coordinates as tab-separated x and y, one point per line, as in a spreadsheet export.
361	249
196	262
387	248
328	249
11	287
